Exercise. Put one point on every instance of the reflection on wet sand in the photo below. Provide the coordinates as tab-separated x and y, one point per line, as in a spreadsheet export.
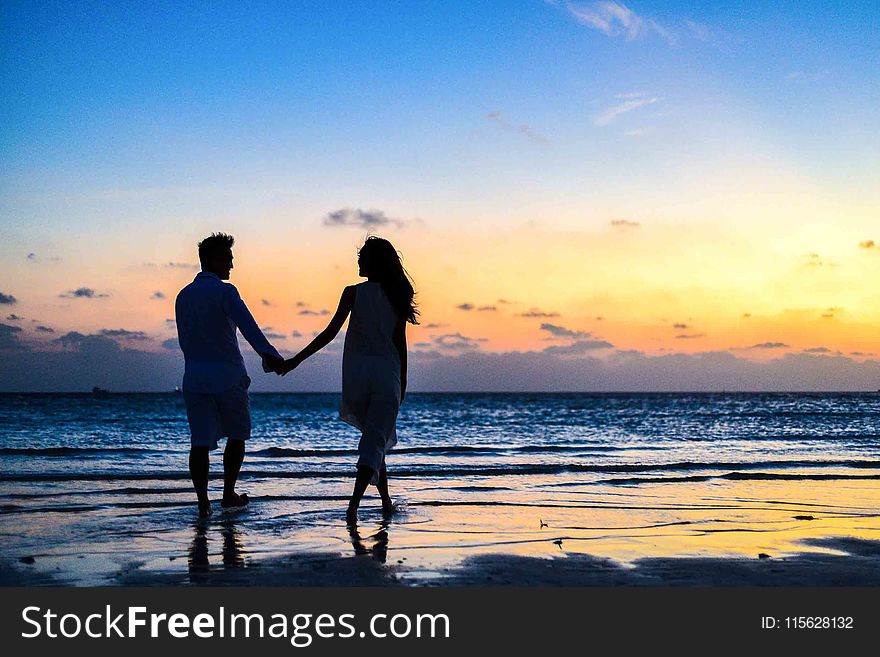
232	551
379	548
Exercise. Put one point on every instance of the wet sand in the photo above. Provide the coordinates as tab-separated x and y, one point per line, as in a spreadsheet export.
720	533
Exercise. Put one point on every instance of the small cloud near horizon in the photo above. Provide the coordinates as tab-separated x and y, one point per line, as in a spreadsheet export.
561	332
7	299
158	294
83	293
770	345
320	313
535	312
465	306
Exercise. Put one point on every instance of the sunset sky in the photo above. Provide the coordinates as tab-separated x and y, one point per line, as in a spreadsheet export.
649	195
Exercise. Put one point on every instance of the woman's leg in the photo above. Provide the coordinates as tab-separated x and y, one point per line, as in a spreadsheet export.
382	485
362	480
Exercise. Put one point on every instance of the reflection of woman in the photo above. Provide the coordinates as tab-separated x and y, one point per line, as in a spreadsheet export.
373	361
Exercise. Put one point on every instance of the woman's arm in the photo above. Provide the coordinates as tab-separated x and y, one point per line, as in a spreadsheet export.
400	343
346	302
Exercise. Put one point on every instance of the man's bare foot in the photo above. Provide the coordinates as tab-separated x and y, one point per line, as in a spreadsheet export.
234	501
351	515
388	508
205	509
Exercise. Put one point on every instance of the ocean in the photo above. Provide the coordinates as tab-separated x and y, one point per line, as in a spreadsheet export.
106	476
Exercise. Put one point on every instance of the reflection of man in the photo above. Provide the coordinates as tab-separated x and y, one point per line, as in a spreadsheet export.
215	382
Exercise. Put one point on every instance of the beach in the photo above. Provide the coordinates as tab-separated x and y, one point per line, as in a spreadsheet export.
508	490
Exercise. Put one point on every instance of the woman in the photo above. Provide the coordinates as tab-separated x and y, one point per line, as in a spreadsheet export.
373	361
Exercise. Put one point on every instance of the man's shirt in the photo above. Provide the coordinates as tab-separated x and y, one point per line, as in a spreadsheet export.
208	311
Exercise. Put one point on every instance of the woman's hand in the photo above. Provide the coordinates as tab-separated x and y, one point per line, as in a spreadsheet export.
289	364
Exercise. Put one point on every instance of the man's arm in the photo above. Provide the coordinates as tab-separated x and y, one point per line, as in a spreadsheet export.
242	318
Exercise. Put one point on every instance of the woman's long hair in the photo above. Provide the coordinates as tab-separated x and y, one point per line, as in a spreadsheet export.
380	261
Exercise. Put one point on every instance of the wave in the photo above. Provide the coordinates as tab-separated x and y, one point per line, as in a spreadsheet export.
73	451
742	476
452	471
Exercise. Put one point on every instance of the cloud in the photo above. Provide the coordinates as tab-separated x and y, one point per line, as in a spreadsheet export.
457	342
817	350
295	334
505	301
158	294
9	336
680	326
12	317
360	218
320	313
746	315
171	343
88	343
83	293
769	345
523	129
44	329
435	325
609	115
7	299
867	244
124	334
301	304
487	309
265	302
562	332
180	265
579	347
615	19
534	312
465	306
272	334
689	336
623	223
31	256
170	322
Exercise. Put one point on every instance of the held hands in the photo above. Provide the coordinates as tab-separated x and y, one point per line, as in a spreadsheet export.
288	365
273	364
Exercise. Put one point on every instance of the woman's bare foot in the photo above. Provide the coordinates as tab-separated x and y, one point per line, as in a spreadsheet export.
388	508
351	515
205	509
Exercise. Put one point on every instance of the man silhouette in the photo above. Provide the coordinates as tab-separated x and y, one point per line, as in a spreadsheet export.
215	381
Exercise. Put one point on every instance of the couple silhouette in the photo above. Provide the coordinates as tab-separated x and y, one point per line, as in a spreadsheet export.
210	310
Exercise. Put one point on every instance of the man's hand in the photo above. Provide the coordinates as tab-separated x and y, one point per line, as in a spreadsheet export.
288	365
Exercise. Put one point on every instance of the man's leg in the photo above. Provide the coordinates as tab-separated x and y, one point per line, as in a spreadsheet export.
233	456
198	471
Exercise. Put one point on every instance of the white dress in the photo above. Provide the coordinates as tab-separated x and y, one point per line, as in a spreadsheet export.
371	375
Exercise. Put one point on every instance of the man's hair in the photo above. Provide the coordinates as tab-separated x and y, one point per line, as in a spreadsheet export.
215	244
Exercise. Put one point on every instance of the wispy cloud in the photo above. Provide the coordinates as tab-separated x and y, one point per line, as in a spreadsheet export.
83	293
689	336
769	345
579	347
465	306
561	332
12	317
360	218
624	224
124	334
615	19
320	313
522	129
158	294
610	114
534	312
42	328
457	342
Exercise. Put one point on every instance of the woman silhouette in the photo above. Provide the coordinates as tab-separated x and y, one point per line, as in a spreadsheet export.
373	360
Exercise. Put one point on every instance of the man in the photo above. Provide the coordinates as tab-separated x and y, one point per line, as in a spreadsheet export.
215	382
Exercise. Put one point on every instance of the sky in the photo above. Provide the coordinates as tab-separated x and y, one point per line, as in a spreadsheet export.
588	195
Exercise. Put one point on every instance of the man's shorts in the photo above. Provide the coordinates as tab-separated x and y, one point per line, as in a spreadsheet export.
213	416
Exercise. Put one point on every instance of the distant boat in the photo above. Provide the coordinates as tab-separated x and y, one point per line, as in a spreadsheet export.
97	391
